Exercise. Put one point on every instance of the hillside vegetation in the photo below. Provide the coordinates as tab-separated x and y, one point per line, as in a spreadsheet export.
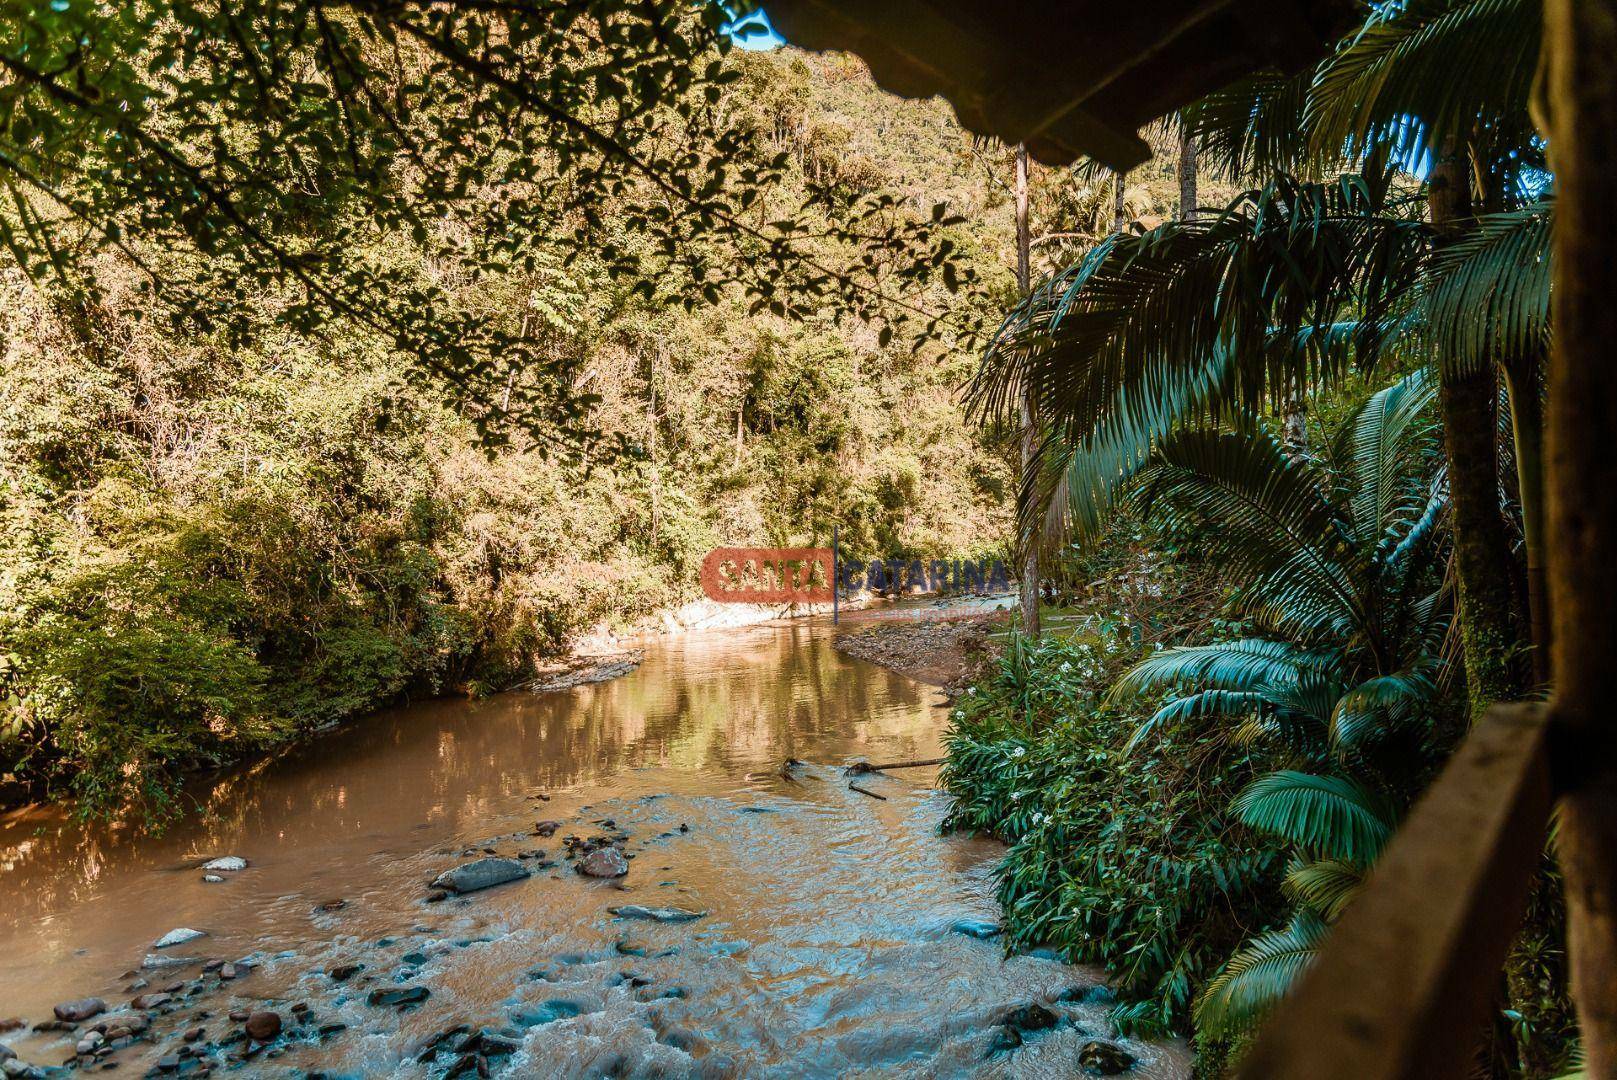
209	546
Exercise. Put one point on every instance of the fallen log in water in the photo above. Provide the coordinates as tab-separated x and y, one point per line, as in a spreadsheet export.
860	768
866	791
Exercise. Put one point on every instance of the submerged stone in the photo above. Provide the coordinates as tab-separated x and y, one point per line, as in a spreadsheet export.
482	874
1099	994
403	995
1033	1017
662	915
981	929
178	936
1101	1058
548	1012
1005	1040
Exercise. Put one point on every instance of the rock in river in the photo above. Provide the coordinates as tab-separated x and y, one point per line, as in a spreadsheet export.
1026	1018
482	874
263	1026
403	995
657	914
178	936
1104	1059
228	863
82	1009
604	862
981	929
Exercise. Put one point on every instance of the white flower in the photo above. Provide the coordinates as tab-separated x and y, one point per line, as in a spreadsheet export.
971	690
1020	751
959	714
1016	796
1038	818
1065	666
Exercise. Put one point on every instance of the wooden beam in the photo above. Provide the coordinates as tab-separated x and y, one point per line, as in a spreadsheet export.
1403	987
1580	38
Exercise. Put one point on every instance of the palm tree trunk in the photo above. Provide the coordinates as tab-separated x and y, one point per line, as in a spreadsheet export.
1119	210
1187	172
1527	425
1028	579
1491	629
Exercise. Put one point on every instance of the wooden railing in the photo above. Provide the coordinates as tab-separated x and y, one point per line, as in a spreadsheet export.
1405	984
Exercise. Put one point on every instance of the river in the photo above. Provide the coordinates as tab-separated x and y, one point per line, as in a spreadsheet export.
830	944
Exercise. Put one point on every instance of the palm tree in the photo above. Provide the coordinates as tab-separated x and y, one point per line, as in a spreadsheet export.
1292	283
1440	86
1339	569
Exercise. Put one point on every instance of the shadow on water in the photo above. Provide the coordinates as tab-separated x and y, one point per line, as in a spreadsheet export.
826	949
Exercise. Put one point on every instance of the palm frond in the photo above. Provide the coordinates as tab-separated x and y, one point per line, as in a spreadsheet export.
1138	317
1369	708
1379	447
1072	483
1422	73
1233	703
1238	998
1333	816
1254	126
1325	886
1488	295
1238	666
1272	524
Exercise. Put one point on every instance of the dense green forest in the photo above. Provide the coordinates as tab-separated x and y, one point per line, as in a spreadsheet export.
209	546
212	544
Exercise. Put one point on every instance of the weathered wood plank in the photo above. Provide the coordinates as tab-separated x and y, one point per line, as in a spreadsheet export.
1404	985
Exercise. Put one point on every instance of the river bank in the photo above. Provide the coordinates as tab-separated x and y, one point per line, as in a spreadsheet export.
946	651
835	934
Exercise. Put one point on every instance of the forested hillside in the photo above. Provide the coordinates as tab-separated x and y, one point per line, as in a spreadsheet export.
208	545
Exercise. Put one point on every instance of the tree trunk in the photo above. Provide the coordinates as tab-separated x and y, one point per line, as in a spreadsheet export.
1491	628
1028	578
1294	420
1527	427
1187	173
1581	511
1119	210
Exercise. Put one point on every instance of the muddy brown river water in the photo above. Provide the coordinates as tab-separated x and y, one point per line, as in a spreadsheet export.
830	946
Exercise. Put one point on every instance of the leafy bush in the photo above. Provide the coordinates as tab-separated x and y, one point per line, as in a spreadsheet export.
1121	859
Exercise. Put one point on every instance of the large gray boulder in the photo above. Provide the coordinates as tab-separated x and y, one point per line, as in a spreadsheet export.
482	874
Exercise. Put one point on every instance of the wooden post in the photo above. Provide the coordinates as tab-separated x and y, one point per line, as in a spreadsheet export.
1580	111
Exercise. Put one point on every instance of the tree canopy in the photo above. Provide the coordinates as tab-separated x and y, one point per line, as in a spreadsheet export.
234	149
